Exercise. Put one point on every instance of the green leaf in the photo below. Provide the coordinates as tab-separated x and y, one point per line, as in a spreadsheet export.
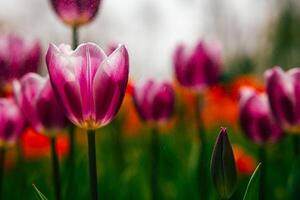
223	169
252	191
38	194
294	181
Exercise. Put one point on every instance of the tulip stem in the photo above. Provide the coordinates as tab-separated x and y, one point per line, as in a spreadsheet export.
263	160
2	163
92	164
55	169
296	140
74	37
154	157
202	161
71	161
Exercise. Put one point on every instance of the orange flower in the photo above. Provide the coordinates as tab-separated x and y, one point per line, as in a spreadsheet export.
245	163
36	145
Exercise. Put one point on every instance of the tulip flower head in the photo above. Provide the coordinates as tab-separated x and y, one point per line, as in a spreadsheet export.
256	117
11	121
37	101
17	57
90	85
198	68
283	90
76	12
154	101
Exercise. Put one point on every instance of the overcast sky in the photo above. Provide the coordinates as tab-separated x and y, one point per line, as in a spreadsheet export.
149	28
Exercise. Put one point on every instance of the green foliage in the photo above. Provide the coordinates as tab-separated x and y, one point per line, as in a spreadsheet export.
252	191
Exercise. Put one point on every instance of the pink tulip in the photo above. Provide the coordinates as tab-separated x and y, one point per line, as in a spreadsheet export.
76	12
37	101
89	84
283	90
154	101
198	68
11	121
17	57
256	117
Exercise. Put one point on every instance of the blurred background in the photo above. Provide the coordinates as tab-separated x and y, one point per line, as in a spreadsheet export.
152	28
252	34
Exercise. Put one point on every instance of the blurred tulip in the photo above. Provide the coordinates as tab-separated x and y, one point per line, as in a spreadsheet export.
154	101
11	121
283	90
256	117
90	85
36	99
245	163
223	167
17	57
198	68
76	12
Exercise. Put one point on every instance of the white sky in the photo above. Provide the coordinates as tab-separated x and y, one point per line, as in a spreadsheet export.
149	28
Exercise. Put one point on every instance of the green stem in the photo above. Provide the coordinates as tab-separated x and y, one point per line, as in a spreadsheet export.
154	153
74	37
55	169
263	160
92	164
2	163
296	141
71	162
202	165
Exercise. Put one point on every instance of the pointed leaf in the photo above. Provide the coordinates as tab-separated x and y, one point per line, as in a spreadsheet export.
252	191
38	194
223	169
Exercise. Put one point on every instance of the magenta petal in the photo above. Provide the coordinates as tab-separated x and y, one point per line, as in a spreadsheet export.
11	120
256	118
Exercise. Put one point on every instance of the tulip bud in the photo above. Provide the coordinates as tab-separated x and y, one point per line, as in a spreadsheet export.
89	84
17	57
154	101
283	89
11	121
256	118
76	12
198	68
223	168
36	99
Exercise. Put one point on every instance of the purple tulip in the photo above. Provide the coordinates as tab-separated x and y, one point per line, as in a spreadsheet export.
90	85
76	12
37	101
11	121
17	57
256	117
154	101
198	68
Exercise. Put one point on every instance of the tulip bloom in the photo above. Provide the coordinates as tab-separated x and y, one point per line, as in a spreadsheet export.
256	117
76	12
198	68
154	101
89	84
283	90
11	121
17	57
36	99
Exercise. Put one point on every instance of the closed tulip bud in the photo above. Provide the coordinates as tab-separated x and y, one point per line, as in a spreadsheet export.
198	68
256	117
38	103
223	169
76	12
90	85
17	57
283	89
154	101
11	121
